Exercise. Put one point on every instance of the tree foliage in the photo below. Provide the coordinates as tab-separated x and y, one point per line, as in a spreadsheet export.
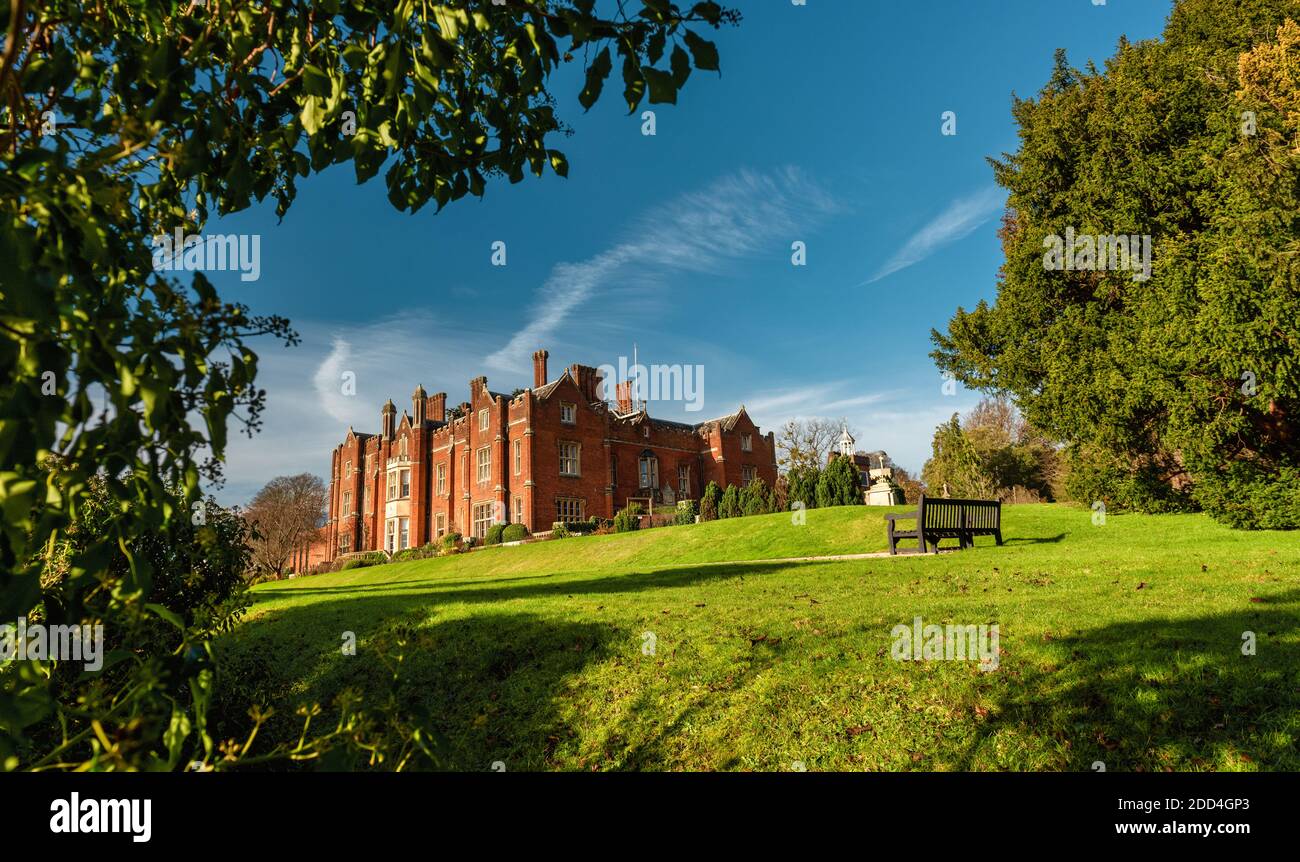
839	484
127	120
1187	383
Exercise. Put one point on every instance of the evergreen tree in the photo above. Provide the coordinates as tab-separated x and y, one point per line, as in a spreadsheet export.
1186	383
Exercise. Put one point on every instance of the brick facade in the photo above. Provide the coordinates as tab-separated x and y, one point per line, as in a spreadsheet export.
552	452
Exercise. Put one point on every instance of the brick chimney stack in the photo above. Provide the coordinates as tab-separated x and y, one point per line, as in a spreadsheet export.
437	410
625	397
586	377
539	368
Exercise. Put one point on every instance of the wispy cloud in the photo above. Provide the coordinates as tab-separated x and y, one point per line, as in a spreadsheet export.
959	220
701	231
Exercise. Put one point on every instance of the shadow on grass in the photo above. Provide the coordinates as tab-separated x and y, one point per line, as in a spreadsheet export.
1160	694
1047	540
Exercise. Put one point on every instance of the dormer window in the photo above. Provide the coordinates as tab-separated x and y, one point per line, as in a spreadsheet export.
568	413
483	419
746	442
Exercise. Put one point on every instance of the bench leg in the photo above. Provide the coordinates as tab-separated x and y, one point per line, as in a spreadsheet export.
998	537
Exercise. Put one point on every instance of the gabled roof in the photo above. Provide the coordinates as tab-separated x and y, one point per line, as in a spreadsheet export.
546	390
728	423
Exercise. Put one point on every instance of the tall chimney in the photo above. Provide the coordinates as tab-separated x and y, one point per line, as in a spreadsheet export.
418	405
539	368
388	418
625	397
438	407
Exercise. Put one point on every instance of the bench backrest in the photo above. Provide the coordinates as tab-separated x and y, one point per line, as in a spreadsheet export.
942	513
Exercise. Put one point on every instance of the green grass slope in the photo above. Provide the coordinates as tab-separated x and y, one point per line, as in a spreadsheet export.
1119	643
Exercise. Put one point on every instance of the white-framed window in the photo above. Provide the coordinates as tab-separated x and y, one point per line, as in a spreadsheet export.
347	469
569	459
390	534
392	485
347	502
684	479
649	470
746	442
519	456
406	483
484	461
345	542
570	509
483	419
748	474
439	525
442	479
568	413
482	519
519	510
403	533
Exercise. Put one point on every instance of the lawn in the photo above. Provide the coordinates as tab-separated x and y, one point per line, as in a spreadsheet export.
1120	643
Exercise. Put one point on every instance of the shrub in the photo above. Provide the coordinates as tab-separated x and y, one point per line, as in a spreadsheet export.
730	505
362	561
685	512
628	519
802	486
710	501
421	553
560	531
449	544
514	533
494	533
754	498
838	485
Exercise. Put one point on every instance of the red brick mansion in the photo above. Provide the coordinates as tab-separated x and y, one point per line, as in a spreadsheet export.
555	452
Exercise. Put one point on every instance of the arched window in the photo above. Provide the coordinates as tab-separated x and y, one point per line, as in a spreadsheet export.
649	470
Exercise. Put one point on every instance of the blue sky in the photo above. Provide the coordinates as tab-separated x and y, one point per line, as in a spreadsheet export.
824	127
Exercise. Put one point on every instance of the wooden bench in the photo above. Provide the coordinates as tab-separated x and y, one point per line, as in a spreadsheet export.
941	518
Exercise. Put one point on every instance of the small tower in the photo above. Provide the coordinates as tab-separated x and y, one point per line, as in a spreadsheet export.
388	419
419	403
846	443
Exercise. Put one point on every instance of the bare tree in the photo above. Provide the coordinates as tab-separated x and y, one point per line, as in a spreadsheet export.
807	442
285	515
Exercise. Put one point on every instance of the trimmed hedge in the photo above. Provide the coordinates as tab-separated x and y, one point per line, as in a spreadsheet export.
514	533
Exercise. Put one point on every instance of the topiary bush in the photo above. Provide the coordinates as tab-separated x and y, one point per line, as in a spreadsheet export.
628	519
514	533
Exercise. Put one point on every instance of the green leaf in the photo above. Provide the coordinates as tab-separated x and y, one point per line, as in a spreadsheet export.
704	51
597	72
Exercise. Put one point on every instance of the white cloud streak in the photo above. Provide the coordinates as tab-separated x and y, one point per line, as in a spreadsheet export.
701	231
958	221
